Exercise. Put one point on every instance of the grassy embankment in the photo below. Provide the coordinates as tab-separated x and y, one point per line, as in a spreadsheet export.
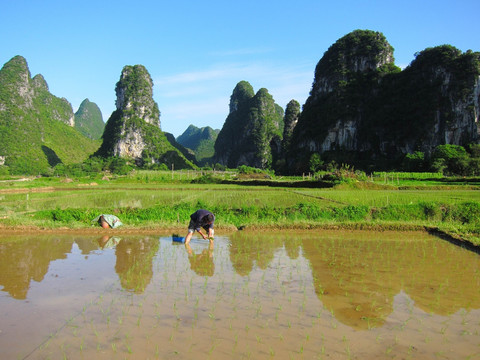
164	200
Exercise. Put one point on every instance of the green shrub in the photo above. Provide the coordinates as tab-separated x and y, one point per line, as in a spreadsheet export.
67	215
4	170
206	179
244	169
414	161
352	213
310	211
399	213
453	159
469	212
432	211
315	162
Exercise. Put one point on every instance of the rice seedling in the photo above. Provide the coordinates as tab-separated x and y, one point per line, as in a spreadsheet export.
243	205
277	296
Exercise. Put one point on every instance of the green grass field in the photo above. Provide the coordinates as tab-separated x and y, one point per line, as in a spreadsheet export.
151	199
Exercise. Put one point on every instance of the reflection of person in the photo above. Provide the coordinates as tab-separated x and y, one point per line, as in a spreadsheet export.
202	263
201	219
107	242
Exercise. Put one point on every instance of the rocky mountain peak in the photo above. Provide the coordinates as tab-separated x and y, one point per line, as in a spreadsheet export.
16	77
366	111
292	114
135	95
39	82
359	51
253	124
200	140
133	130
19	64
31	94
241	94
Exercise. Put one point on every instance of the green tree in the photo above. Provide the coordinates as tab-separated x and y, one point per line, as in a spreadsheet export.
315	162
414	161
453	157
474	150
474	166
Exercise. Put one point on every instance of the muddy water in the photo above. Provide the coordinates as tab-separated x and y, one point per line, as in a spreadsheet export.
307	295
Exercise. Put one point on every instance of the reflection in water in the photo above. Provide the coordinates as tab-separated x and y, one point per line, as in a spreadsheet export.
247	249
134	262
86	245
108	242
263	295
357	278
201	263
25	259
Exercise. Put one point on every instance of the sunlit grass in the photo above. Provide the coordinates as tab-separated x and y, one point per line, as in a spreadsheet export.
381	198
151	199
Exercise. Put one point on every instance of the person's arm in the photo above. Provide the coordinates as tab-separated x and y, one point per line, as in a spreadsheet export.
203	235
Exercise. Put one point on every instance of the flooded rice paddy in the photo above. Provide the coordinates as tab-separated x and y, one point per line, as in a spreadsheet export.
286	295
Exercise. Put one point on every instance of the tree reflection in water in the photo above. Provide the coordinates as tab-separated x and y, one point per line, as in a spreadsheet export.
357	277
201	262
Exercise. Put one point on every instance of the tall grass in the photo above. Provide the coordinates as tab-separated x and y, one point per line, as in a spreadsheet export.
407	175
466	213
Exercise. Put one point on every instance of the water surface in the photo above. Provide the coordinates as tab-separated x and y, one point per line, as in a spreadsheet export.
312	294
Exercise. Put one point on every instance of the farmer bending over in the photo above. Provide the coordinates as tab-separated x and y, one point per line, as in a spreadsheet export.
201	219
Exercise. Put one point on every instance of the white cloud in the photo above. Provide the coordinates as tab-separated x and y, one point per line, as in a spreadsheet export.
193	76
224	77
202	97
191	109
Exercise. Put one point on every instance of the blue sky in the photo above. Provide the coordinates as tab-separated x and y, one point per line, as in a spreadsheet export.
197	51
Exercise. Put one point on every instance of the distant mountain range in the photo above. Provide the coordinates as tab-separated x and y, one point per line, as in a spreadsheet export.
201	141
362	110
89	120
39	130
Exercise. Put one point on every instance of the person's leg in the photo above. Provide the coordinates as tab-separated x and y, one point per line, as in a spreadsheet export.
191	230
189	249
188	237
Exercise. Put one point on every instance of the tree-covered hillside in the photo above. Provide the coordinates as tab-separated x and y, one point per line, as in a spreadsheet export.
364	110
200	140
36	128
89	120
133	130
253	130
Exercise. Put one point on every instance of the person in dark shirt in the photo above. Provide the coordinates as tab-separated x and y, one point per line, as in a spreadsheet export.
201	219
